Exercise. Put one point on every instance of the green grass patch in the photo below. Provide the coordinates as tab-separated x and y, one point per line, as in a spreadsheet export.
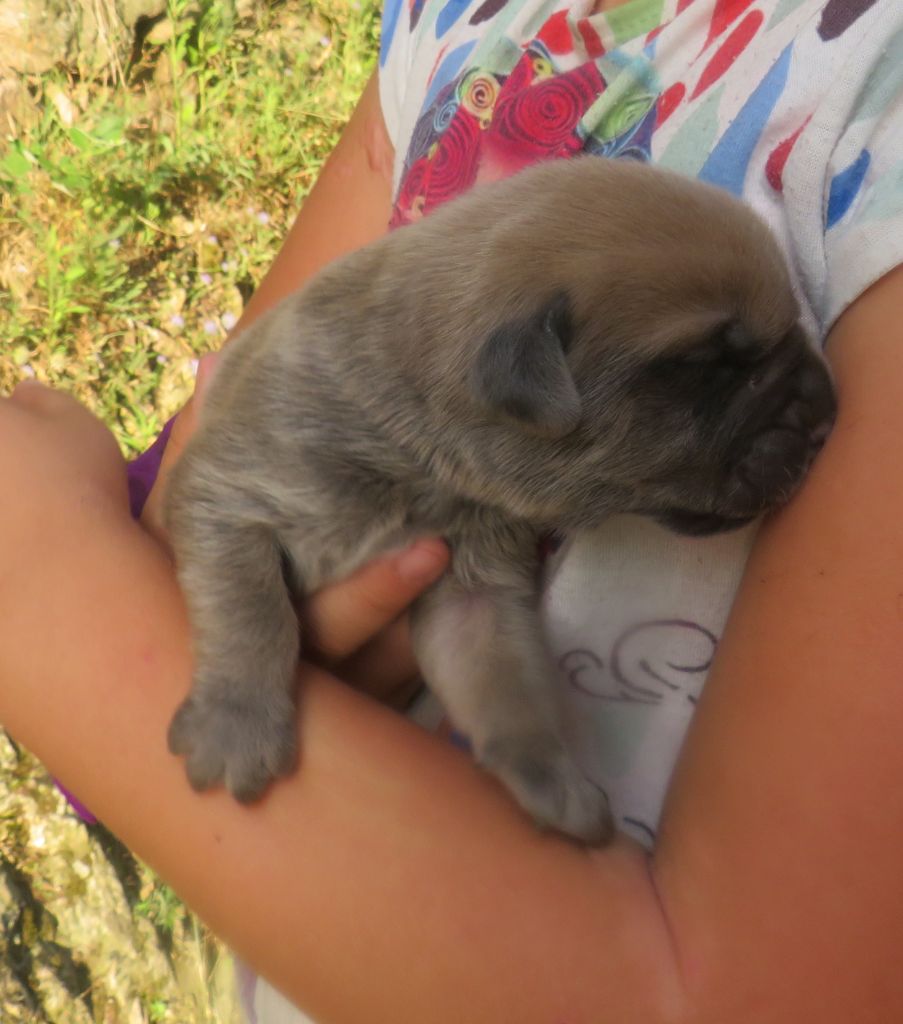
137	215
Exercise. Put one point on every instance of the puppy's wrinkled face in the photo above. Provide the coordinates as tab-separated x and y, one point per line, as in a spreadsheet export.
748	417
703	435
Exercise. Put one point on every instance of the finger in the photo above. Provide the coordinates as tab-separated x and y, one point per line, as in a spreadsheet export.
182	429
207	366
152	511
342	617
385	667
187	420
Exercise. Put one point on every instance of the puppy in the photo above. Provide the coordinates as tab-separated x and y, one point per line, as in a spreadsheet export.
586	338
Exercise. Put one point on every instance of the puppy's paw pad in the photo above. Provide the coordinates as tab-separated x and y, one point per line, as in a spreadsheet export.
549	784
242	744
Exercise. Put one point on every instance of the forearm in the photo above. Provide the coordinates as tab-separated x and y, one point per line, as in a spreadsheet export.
387	857
781	840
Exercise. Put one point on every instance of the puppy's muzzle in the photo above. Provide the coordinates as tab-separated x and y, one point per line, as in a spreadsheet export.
783	418
777	423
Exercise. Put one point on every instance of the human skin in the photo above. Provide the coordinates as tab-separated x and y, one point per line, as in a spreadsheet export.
390	880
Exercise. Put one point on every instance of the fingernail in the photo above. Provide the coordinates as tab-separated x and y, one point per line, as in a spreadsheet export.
423	561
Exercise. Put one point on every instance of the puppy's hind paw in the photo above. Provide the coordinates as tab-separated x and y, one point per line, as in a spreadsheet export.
242	744
549	784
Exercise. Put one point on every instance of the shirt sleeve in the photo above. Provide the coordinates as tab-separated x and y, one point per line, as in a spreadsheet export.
395	63
847	185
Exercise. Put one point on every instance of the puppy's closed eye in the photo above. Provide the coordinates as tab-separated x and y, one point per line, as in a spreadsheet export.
730	343
707	373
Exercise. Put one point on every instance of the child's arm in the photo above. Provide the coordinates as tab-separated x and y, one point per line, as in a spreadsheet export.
782	840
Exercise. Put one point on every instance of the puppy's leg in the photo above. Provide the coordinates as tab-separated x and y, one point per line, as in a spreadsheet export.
481	650
238	725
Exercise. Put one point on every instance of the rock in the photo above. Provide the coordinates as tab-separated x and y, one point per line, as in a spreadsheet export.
90	36
80	941
17	108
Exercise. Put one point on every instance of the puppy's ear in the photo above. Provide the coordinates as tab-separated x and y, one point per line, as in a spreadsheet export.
521	373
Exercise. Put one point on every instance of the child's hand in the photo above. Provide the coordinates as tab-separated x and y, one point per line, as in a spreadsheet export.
356	627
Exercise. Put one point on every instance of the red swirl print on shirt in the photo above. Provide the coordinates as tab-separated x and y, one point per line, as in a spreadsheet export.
454	162
488	126
540	121
412	195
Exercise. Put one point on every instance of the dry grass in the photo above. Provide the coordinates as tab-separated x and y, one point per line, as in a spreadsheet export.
135	218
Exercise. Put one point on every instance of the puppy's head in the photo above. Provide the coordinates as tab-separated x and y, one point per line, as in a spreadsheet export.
703	436
657	367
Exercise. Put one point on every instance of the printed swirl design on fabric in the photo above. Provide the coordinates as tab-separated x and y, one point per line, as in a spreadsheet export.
643	665
454	163
478	92
485	125
444	115
540	121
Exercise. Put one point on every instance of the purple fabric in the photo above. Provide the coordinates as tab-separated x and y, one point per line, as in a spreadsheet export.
86	816
142	472
247	989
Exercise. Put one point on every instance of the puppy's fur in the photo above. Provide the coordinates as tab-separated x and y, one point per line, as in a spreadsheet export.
589	337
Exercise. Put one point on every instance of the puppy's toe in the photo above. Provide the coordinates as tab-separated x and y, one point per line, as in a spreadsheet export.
242	744
549	784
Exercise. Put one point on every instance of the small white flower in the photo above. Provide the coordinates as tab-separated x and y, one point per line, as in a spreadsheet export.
206	278
177	321
229	320
211	327
263	217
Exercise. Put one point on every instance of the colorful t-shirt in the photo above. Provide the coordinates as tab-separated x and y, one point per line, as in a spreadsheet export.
795	105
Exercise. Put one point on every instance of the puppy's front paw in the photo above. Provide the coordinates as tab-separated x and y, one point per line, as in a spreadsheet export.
548	783
244	744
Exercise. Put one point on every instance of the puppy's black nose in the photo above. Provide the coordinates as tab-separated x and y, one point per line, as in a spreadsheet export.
771	467
793	416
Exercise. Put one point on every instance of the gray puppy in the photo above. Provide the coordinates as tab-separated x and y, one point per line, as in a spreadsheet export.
586	338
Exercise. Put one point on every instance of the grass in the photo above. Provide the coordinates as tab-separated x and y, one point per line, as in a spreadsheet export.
138	211
137	214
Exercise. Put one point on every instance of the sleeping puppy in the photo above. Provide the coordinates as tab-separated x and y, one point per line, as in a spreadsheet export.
586	338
